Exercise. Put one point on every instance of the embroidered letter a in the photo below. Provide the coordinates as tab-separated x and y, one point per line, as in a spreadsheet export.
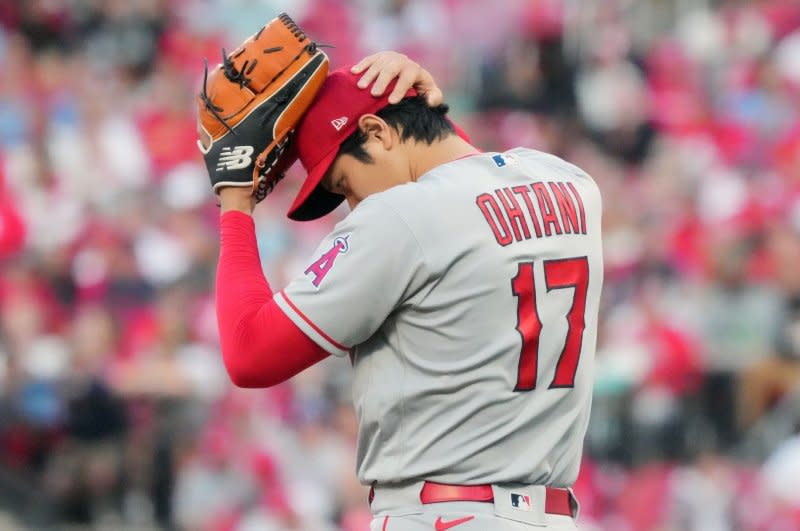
325	262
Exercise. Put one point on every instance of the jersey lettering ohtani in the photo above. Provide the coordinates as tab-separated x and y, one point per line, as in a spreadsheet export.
570	218
468	302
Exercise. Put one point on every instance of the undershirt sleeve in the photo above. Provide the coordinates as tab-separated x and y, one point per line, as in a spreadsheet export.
261	346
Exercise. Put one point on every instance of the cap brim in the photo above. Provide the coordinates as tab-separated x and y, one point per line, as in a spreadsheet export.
313	201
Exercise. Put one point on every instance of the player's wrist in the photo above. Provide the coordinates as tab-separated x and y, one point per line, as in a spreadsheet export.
240	199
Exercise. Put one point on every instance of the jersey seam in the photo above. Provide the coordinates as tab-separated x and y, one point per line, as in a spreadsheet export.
403	398
403	401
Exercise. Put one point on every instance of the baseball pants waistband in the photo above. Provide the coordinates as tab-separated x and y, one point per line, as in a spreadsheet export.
550	500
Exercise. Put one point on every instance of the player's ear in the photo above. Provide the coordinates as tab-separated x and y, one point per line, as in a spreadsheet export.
376	129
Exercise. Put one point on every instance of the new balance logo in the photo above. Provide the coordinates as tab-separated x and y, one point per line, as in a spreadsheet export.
235	158
338	123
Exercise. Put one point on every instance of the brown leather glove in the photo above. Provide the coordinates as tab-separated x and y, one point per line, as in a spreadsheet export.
250	104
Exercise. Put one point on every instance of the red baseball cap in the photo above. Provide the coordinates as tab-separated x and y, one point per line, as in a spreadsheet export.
332	118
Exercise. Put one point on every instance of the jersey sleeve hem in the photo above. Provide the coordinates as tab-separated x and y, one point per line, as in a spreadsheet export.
314	332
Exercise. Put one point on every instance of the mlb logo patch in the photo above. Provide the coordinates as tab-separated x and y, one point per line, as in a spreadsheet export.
521	502
503	160
500	160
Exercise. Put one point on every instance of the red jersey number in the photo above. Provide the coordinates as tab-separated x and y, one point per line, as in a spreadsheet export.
558	274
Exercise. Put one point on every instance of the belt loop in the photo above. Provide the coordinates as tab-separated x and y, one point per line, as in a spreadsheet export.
400	499
574	503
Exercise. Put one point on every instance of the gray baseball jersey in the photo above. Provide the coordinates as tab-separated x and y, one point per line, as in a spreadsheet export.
468	303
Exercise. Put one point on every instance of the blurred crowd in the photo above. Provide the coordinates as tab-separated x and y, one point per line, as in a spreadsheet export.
115	409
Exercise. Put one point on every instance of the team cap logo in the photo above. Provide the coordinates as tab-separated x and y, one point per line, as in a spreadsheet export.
338	123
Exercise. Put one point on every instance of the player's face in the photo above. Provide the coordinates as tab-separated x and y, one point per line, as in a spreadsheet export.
357	180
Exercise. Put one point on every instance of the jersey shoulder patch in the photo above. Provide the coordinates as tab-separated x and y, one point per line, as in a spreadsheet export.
322	265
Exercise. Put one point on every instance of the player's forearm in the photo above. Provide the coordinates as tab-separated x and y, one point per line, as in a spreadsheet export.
241	290
255	335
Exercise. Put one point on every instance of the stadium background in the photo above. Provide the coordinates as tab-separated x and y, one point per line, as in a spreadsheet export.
115	411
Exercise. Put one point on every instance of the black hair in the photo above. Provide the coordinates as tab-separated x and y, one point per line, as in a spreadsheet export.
413	118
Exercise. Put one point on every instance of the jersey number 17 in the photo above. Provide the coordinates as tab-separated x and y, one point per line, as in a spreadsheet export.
558	274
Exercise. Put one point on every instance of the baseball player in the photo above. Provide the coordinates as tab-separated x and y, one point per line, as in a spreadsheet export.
463	286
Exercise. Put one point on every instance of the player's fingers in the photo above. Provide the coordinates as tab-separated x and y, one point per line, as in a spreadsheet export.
369	76
363	64
434	97
386	75
425	84
405	81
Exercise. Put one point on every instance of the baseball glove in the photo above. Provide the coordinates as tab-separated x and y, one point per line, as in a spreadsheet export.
250	104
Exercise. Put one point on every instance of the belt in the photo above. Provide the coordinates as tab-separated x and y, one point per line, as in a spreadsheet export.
557	501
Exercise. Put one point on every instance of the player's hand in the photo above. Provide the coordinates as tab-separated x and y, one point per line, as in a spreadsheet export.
383	67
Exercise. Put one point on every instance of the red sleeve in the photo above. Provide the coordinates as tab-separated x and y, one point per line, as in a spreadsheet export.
261	346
